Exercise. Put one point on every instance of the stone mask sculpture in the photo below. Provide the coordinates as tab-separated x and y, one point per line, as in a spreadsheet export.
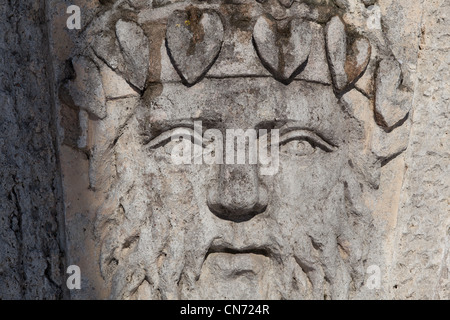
158	230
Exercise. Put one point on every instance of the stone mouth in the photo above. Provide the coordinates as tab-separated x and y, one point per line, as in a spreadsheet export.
233	257
232	263
261	251
237	273
264	248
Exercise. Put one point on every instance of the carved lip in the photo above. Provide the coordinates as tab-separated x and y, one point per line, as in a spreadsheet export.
267	250
258	251
221	246
237	262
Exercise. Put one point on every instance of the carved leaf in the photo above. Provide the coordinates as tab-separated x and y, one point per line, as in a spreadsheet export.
135	50
391	103
125	50
283	50
193	39
346	67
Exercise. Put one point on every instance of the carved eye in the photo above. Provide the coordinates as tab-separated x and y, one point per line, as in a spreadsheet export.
303	143
298	148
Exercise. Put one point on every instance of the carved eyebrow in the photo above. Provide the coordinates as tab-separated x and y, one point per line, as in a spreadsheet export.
155	128
179	131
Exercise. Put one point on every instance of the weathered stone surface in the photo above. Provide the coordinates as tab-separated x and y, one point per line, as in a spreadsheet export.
238	56
32	242
139	4
317	68
219	232
286	3
401	28
357	61
420	259
106	46
366	83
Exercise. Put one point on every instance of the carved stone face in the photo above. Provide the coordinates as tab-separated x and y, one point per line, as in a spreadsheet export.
198	231
231	232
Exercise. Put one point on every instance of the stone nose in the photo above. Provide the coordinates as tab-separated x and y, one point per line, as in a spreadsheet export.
238	196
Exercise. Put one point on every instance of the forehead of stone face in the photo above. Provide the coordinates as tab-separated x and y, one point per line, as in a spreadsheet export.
244	103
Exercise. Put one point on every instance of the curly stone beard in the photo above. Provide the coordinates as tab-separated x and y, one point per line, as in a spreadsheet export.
172	257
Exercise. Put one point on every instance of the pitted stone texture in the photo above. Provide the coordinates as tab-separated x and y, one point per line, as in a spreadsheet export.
400	24
102	169
106	47
139	4
238	57
220	250
31	211
366	83
364	161
358	59
317	69
336	41
420	263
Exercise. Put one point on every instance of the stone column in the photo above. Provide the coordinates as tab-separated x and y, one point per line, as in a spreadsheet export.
31	221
